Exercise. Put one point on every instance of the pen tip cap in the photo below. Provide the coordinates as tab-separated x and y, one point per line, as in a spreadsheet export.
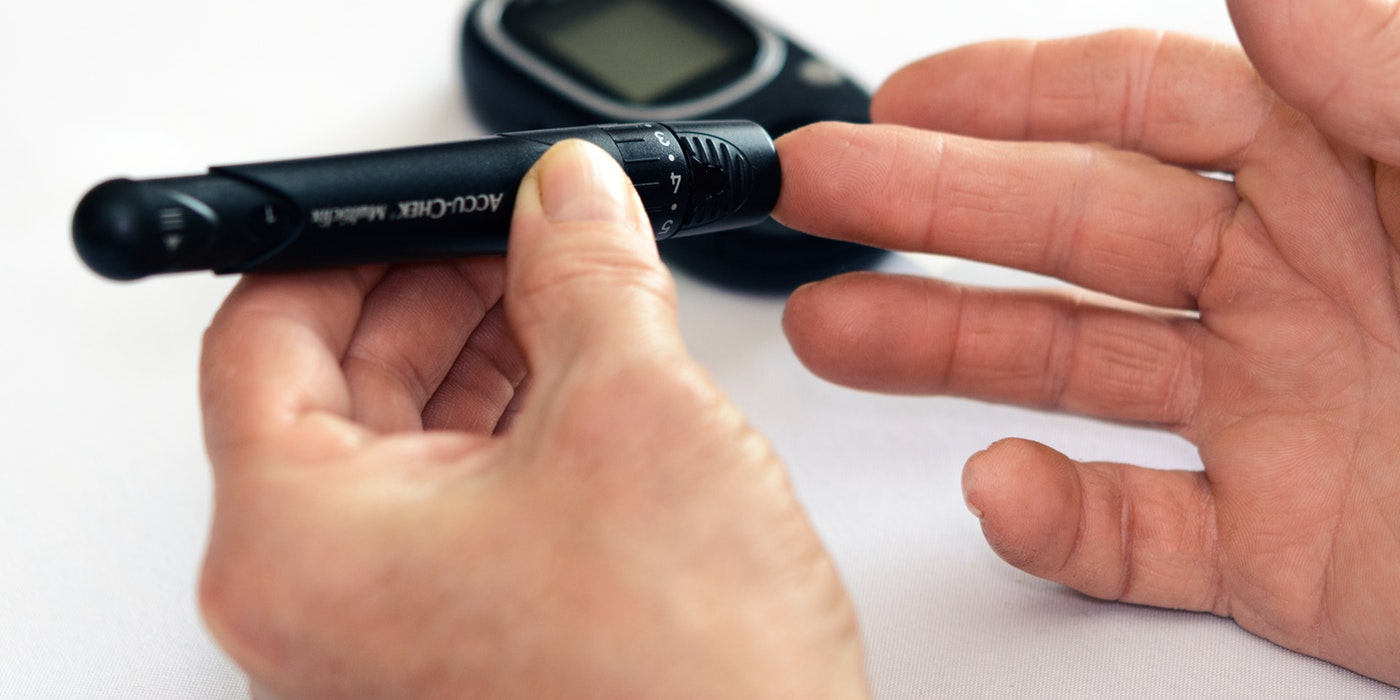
112	234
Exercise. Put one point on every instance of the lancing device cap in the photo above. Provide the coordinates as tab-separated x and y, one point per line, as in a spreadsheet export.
110	231
428	202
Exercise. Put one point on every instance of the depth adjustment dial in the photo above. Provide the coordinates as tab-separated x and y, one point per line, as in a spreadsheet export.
652	156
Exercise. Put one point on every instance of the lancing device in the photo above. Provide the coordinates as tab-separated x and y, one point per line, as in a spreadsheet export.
422	203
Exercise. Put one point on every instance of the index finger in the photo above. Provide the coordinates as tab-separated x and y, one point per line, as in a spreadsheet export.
272	354
1117	222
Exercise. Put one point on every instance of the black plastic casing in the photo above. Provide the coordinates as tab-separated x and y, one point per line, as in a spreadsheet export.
422	203
764	257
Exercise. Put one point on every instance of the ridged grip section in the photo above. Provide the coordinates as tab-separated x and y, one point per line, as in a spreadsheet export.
721	179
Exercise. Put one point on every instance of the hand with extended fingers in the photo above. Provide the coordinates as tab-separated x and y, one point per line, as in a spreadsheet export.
1258	317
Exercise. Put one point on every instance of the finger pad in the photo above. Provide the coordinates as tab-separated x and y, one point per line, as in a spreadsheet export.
1029	499
854	182
875	332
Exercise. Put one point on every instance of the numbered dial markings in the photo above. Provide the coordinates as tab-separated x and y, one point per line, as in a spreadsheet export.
652	156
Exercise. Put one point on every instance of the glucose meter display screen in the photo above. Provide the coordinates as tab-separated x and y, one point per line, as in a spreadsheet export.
642	51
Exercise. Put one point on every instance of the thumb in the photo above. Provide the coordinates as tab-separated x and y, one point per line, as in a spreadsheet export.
1111	531
583	277
1338	61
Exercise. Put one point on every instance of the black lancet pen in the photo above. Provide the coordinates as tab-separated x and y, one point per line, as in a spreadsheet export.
427	202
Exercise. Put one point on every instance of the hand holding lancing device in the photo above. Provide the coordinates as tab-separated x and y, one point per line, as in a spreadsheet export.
393	520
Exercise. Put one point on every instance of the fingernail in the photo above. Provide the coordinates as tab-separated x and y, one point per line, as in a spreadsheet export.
578	182
976	512
968	477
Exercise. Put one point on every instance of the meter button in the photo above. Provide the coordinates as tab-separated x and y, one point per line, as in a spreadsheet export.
819	74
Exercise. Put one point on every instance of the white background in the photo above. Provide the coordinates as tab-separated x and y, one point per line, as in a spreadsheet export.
104	491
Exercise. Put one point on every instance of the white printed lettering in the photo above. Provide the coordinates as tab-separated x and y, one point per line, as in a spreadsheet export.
410	210
349	216
440	207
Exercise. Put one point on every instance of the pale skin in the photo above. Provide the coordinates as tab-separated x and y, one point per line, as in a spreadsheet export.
388	524
1287	378
396	516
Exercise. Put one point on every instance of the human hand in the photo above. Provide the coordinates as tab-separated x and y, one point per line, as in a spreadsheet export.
392	520
1258	318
